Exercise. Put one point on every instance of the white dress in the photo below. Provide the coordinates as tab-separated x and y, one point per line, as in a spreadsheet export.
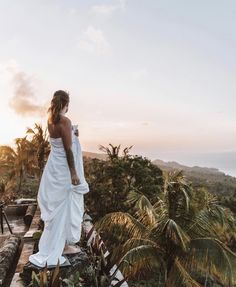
61	203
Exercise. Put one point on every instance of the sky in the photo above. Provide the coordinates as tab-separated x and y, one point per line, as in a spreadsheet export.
158	75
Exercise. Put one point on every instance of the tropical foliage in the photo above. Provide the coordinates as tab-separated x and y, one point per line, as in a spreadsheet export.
110	181
18	161
40	145
24	161
178	236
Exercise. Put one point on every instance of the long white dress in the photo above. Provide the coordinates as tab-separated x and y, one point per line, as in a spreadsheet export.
61	203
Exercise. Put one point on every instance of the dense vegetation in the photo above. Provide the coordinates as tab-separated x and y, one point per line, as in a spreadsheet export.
163	229
21	166
110	181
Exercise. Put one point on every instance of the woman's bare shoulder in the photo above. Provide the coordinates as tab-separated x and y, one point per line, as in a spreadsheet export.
65	120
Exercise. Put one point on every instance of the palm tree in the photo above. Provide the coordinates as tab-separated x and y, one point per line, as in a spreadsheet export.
40	144
2	186
113	151
171	237
17	161
112	179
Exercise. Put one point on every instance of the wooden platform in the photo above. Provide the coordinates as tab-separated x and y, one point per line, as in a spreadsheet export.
27	250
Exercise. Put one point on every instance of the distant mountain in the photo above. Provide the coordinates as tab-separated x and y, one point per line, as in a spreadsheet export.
171	165
213	179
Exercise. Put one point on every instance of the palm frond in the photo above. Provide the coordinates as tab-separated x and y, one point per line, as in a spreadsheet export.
173	232
212	255
179	276
206	222
144	209
30	131
120	225
140	258
131	243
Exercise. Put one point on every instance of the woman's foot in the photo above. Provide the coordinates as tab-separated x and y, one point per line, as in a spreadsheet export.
71	249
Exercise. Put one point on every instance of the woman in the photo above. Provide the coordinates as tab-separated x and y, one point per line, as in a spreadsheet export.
62	187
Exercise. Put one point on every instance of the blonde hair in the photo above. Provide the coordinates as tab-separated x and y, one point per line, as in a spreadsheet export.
59	101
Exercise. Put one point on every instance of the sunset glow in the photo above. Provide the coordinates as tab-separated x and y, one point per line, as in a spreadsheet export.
159	76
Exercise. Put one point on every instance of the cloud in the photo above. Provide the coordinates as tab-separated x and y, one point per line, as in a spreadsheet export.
108	9
73	12
103	9
123	4
94	41
139	74
23	101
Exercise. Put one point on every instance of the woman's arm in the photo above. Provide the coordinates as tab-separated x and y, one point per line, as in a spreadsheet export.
66	134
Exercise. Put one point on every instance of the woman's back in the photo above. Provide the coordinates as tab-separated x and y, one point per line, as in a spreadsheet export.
55	130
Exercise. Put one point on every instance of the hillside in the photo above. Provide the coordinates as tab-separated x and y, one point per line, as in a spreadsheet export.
216	181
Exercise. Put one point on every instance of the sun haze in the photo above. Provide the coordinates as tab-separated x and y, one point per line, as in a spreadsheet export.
159	75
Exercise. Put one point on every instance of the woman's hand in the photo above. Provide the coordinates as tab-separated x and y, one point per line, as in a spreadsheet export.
75	179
